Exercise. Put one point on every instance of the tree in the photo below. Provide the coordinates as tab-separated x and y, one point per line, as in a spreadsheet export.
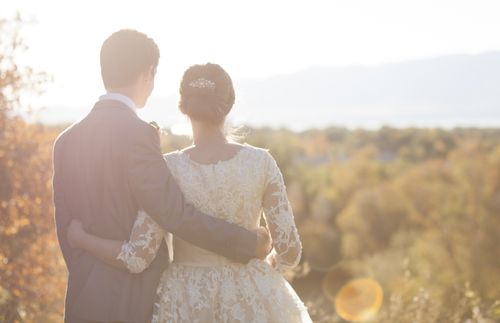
31	270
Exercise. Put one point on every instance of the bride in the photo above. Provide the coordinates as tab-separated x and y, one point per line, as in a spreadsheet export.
239	183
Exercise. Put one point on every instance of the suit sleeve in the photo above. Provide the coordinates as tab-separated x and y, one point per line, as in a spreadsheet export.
158	194
62	214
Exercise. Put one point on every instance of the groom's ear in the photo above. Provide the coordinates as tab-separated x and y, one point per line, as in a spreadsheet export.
152	72
147	74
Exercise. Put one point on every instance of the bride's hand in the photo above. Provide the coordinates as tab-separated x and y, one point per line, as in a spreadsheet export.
75	233
264	243
271	260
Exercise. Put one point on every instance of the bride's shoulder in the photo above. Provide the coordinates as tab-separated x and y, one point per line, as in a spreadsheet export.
261	153
173	155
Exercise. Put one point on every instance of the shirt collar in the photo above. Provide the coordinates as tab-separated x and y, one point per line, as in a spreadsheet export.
121	98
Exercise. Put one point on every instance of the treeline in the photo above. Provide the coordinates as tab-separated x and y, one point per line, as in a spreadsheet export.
415	209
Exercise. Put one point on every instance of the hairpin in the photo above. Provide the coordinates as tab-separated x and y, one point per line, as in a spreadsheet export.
202	83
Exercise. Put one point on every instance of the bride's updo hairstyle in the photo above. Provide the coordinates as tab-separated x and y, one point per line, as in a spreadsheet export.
207	93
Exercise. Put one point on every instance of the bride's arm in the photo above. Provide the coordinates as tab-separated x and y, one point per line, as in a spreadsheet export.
134	255
279	218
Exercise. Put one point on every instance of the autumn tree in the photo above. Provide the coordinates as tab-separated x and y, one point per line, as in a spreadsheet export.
31	272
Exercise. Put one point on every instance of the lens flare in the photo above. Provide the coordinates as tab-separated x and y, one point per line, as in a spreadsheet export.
359	300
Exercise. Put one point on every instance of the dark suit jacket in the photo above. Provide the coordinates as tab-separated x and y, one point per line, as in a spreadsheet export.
107	167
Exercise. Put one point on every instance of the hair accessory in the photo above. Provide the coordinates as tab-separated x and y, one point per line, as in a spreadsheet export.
202	83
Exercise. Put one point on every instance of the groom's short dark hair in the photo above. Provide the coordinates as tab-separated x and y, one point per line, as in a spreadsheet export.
125	55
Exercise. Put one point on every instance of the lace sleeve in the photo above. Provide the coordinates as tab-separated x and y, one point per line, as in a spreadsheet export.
145	240
279	218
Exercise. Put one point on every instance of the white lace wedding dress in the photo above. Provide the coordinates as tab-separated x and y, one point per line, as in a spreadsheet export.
200	286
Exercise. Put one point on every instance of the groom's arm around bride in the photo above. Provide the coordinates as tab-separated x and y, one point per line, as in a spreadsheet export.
160	197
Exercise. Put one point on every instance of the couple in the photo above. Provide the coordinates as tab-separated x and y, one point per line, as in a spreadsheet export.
117	199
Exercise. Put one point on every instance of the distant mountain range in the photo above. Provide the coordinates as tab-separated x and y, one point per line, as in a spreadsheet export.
459	90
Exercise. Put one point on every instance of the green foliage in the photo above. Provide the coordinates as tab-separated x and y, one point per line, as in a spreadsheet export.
415	209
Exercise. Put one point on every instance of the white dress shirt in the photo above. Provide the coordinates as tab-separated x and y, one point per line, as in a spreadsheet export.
114	96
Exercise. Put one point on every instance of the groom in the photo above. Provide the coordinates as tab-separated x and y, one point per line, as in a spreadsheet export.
108	166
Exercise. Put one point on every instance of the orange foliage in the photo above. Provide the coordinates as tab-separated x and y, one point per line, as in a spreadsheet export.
32	274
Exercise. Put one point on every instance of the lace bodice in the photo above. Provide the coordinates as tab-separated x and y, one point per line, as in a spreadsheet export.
201	286
239	190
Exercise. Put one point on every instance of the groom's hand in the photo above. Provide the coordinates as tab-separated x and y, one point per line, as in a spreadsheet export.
74	233
264	243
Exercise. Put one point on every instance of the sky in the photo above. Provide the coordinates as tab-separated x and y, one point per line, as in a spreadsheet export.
250	39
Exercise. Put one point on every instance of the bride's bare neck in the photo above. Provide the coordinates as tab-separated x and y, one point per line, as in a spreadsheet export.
210	144
205	135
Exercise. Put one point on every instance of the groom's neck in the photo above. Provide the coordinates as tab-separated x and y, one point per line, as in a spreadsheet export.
130	92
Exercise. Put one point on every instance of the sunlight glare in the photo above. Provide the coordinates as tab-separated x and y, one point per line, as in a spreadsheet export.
359	300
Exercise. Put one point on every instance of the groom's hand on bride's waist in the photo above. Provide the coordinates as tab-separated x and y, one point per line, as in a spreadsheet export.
264	243
75	233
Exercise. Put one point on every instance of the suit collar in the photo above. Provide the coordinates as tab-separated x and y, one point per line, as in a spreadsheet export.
112	104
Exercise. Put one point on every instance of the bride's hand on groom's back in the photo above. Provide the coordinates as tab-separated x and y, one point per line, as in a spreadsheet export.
264	243
74	233
271	259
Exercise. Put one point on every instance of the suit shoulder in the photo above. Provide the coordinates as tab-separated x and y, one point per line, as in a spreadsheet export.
64	135
140	126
